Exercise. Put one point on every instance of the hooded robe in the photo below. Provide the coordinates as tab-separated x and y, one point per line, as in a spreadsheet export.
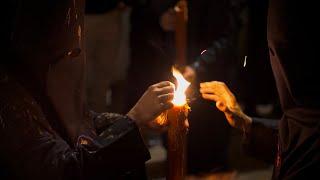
293	48
46	130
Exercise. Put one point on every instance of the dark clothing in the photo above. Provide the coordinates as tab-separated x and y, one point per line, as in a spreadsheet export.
46	130
32	149
293	46
261	140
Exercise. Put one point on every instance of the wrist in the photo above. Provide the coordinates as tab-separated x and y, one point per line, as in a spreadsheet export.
134	116
247	123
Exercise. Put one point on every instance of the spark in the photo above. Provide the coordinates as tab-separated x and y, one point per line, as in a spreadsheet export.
245	61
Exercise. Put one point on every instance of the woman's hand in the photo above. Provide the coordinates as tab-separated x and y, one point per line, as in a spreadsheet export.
227	103
156	99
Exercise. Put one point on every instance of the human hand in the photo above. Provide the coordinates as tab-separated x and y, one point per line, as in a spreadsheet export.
227	103
156	99
168	20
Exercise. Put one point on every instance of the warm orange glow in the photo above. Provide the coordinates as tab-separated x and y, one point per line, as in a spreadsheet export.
182	85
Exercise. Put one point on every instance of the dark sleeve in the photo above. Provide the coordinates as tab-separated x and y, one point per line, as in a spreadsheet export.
33	150
102	121
261	140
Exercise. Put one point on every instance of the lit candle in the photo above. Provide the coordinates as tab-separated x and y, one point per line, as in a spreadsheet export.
177	117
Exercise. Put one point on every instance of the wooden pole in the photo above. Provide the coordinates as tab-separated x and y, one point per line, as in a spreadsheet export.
178	114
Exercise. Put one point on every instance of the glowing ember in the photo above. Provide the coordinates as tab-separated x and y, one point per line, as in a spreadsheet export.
182	85
245	61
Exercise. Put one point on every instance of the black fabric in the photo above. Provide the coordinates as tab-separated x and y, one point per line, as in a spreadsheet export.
293	46
262	139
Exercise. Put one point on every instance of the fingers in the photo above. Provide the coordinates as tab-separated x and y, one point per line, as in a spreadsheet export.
162	88
221	106
212	83
163	84
217	87
165	101
220	89
207	90
165	90
213	87
166	106
211	97
165	97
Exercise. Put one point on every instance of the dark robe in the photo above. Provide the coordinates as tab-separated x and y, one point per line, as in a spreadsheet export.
293	46
46	130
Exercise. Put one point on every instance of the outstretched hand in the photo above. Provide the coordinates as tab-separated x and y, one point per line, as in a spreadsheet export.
226	102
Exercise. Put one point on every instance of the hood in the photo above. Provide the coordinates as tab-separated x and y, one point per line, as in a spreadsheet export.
47	53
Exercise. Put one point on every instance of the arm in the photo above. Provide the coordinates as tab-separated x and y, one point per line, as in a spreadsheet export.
33	150
260	135
102	121
260	141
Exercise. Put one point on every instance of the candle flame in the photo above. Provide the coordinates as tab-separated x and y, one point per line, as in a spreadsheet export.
179	98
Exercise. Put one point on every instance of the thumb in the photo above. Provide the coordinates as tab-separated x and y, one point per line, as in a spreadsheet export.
221	106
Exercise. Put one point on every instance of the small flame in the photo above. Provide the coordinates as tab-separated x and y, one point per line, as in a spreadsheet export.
179	98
